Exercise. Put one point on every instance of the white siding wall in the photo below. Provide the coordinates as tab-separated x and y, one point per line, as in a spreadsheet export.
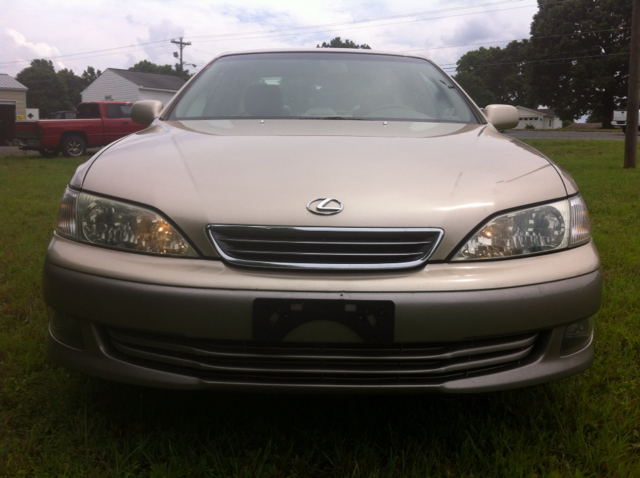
162	96
111	86
537	119
530	118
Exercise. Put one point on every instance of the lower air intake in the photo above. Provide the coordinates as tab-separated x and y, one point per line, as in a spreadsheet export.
322	364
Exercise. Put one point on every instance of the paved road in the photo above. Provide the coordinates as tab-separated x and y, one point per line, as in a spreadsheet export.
565	134
16	150
10	150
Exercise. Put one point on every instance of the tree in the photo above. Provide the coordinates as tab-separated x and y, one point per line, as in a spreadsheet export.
47	91
149	67
497	75
579	56
474	86
595	117
338	43
90	75
181	72
75	84
42	63
50	91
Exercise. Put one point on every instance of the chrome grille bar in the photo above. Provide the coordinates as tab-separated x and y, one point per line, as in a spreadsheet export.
324	248
332	242
350	254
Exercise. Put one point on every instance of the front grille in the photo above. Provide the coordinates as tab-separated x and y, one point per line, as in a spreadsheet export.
320	364
325	248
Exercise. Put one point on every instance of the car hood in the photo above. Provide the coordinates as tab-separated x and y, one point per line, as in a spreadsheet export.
395	174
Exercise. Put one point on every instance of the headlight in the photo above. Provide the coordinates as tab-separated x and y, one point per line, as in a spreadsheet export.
107	222
534	230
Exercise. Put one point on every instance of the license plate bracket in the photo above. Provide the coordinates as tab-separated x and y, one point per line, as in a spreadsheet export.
372	320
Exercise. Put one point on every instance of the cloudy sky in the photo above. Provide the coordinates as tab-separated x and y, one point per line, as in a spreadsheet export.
117	33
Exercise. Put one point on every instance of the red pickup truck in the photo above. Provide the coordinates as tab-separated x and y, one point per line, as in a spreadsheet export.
97	123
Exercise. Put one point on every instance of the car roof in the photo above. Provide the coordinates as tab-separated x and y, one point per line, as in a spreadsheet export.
323	50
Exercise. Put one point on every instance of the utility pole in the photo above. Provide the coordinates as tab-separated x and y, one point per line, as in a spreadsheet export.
633	96
181	44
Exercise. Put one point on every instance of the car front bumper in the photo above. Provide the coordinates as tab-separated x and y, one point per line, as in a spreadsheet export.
150	324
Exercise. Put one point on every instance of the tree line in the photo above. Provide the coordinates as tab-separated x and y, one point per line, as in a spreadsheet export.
338	42
54	91
50	90
576	62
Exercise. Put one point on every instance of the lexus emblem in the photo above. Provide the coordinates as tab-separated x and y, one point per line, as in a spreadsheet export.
325	206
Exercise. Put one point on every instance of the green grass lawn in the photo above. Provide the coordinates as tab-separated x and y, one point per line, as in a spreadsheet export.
58	423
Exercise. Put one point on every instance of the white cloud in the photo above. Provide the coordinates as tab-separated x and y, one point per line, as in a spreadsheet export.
161	32
214	26
15	48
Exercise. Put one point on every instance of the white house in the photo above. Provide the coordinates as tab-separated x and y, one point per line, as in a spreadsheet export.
539	119
124	85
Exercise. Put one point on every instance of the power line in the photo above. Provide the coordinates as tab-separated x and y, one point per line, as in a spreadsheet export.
307	29
546	60
538	59
91	56
242	35
515	39
226	36
400	51
137	48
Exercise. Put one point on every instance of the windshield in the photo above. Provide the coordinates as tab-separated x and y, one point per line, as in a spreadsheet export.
322	86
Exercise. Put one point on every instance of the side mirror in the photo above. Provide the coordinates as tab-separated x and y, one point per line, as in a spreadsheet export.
501	116
145	111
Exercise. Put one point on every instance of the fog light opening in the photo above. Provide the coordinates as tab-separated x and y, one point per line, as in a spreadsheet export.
65	329
577	336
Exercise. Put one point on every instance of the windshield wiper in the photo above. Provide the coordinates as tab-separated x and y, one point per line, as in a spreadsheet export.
349	118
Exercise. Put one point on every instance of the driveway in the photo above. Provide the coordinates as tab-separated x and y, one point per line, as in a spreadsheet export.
16	150
10	150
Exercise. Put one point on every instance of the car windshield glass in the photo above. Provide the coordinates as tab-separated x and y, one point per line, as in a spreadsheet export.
320	85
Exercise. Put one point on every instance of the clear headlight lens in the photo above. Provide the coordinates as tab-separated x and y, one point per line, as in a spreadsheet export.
533	230
107	222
